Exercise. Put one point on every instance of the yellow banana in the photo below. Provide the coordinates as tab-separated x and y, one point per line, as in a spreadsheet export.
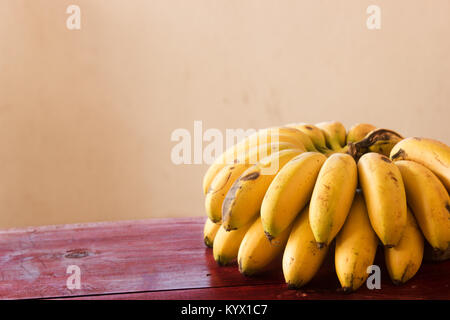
230	173
431	153
256	252
429	201
335	134
332	197
383	189
298	135
254	155
302	257
243	200
209	232
404	260
226	244
240	150
356	245
289	192
316	135
359	131
219	188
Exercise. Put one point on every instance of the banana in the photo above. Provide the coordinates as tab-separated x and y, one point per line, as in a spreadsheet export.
253	155
431	153
429	201
358	131
256	252
226	244
302	257
300	136
379	140
316	135
356	245
219	188
332	197
404	260
230	173
335	134
289	192
383	189
239	150
243	200
209	232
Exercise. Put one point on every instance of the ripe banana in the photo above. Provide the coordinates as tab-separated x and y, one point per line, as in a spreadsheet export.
256	252
379	140
359	131
243	200
383	189
241	149
226	244
429	201
300	136
404	260
332	197
431	153
335	134
289	192
230	173
219	188
356	245
253	155
209	232
302	257
316	135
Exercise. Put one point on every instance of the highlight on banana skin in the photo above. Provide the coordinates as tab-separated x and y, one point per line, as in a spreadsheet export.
283	203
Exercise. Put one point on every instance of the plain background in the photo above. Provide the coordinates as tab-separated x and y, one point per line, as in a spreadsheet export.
86	116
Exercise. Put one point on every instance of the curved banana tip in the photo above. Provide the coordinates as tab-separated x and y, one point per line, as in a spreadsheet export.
221	262
399	154
389	246
269	236
346	290
321	245
397	282
228	228
292	286
208	242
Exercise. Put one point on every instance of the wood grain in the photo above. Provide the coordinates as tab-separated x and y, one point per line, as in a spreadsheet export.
164	259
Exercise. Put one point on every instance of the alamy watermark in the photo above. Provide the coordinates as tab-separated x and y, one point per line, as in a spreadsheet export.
246	146
74	280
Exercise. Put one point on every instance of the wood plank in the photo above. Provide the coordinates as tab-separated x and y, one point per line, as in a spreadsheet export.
432	282
129	256
165	259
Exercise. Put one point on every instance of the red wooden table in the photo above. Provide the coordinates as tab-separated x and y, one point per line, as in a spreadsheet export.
165	259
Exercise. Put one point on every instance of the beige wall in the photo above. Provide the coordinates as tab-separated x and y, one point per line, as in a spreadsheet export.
86	116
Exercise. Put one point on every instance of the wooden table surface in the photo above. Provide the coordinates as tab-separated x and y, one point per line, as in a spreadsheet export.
165	259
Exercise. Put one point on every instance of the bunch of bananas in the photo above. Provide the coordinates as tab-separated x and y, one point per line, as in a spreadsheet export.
286	199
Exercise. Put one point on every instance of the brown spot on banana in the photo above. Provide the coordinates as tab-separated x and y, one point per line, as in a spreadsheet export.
250	176
269	236
400	154
320	245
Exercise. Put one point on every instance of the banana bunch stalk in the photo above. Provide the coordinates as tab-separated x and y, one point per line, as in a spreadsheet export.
283	196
